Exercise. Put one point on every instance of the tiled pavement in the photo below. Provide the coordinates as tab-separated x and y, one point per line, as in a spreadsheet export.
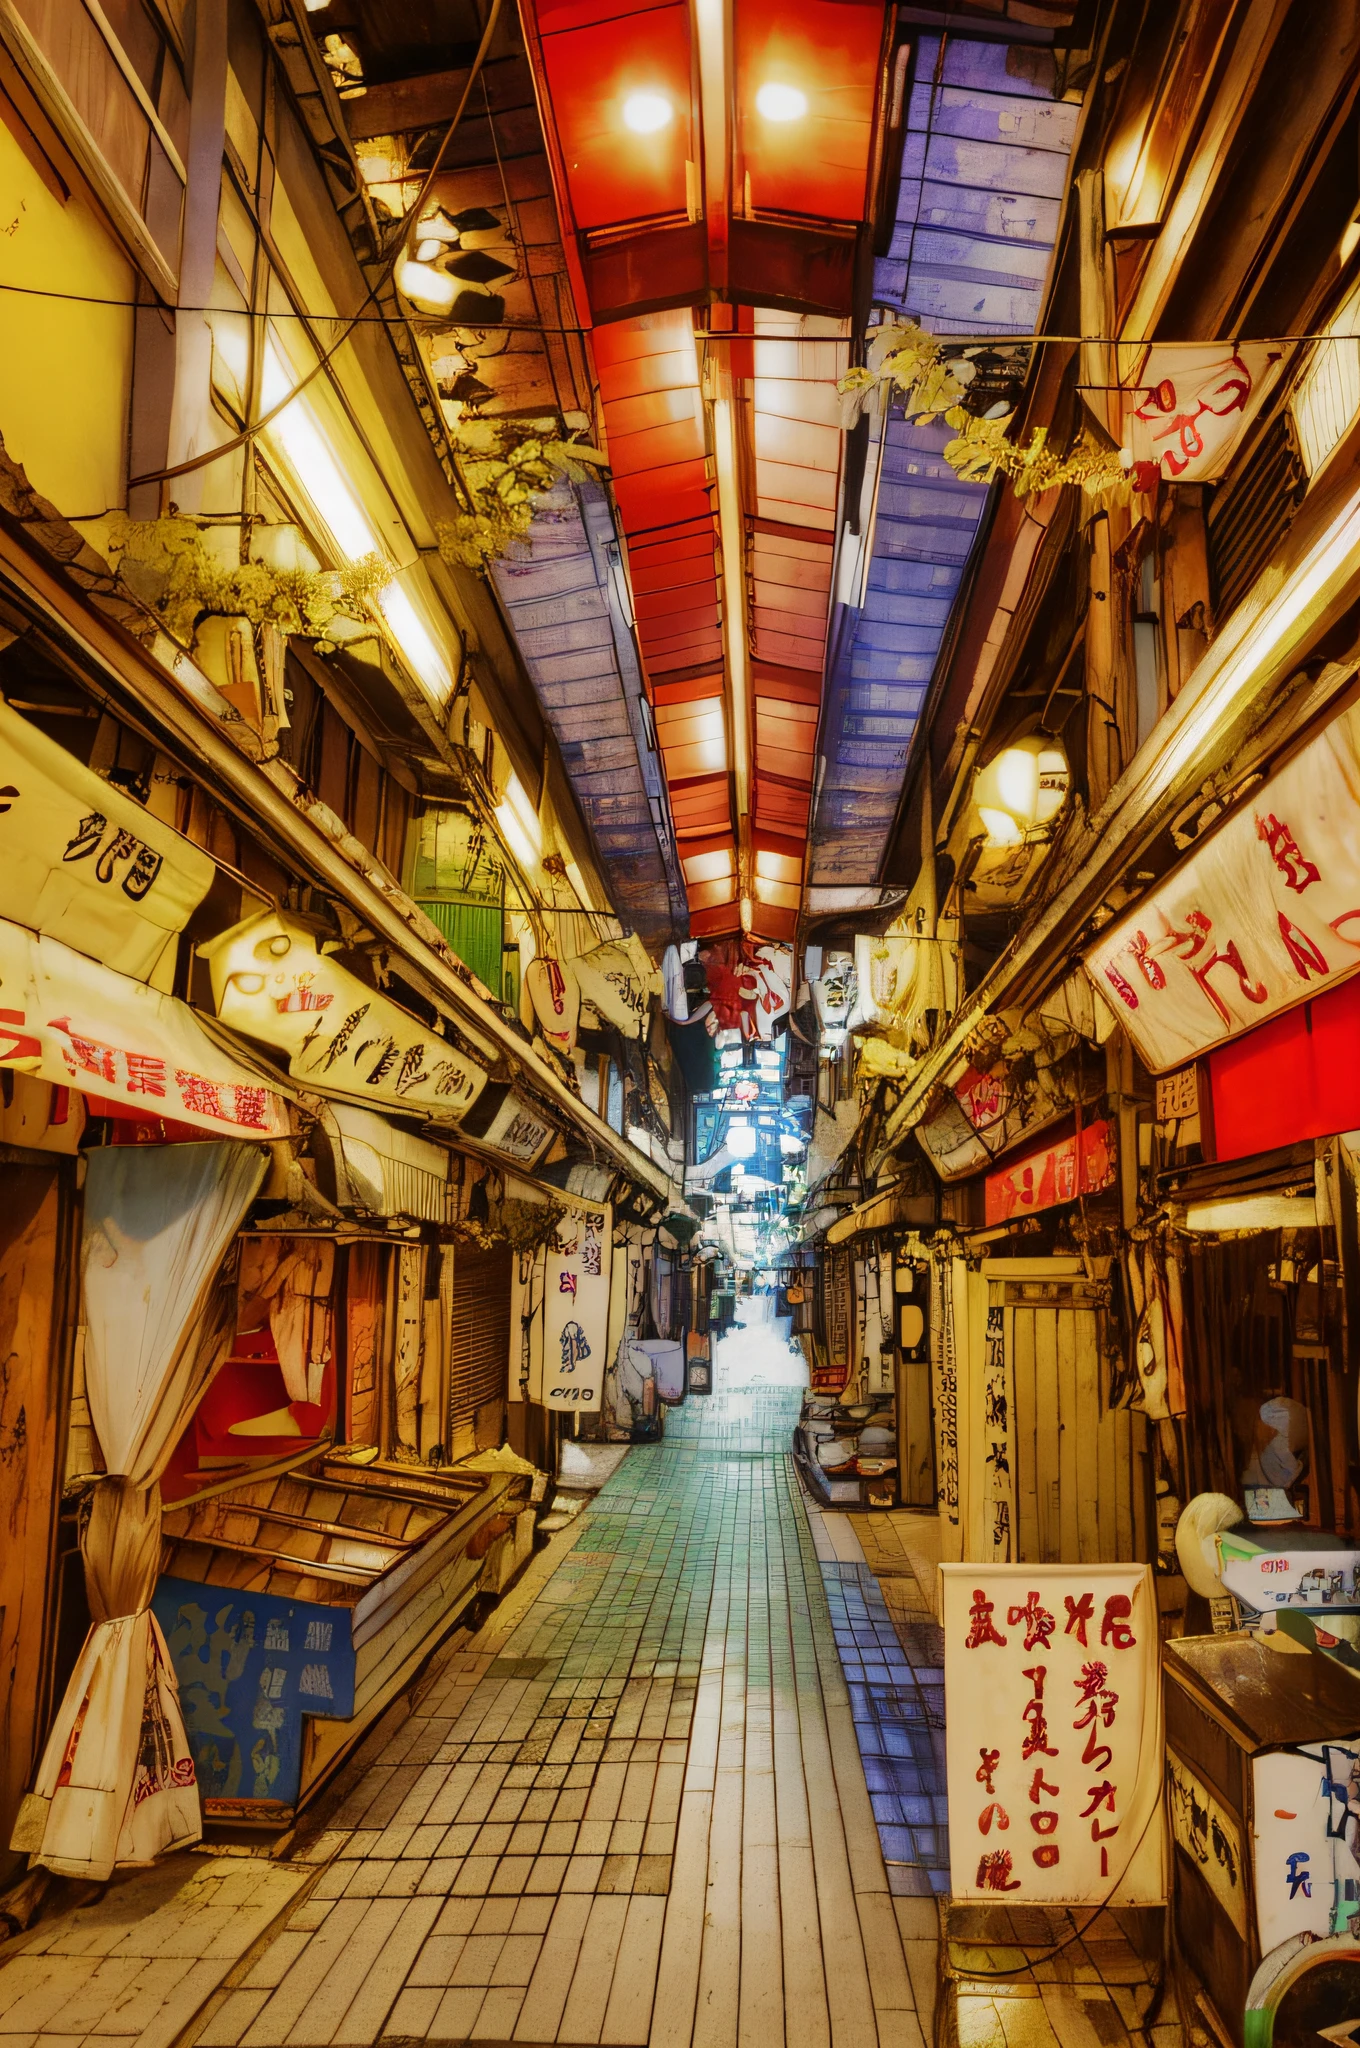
632	1810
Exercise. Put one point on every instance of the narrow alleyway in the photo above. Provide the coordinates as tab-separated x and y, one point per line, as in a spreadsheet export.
685	1786
637	1813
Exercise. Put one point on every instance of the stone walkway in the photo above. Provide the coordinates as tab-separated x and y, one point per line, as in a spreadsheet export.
632	1810
649	1805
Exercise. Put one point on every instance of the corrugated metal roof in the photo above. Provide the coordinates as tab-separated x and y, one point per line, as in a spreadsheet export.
984	166
578	650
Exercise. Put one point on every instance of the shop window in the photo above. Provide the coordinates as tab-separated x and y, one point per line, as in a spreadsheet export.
275	1392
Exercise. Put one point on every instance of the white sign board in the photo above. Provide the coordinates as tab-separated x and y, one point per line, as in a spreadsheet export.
576	1307
86	862
69	1021
1306	1830
1264	915
1054	1734
273	981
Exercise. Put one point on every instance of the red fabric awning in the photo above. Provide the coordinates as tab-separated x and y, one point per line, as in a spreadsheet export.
1296	1077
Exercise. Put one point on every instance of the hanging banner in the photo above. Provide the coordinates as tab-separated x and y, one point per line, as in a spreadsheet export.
944	1374
614	983
981	1116
1263	915
1082	1163
1191	406
1053	1712
272	981
67	1020
998	1409
85	862
556	996
517	1132
576	1307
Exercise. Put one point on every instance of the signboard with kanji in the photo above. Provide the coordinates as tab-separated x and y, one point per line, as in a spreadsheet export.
1054	1734
1264	914
576	1307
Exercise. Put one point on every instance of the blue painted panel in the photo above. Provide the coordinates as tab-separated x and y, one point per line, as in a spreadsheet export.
984	168
581	661
249	1666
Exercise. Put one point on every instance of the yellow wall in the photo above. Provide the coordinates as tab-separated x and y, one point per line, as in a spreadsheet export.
65	368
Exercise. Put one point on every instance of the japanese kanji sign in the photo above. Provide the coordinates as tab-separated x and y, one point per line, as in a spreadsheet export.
271	981
1263	915
85	862
1081	1163
78	1025
576	1307
1189	408
1054	1734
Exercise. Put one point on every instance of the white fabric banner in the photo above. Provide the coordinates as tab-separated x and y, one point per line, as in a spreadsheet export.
1190	406
116	1781
576	1307
76	1024
1263	915
87	863
1053	1712
272	981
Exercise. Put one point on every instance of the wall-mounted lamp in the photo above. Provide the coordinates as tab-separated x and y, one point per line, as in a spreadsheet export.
1020	790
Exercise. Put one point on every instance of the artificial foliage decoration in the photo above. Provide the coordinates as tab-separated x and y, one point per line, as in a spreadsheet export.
507	465
168	564
906	366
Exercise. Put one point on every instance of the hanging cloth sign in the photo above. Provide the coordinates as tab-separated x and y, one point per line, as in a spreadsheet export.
271	981
613	983
86	863
1080	1164
556	996
1054	1734
69	1021
1191	406
1264	915
576	1290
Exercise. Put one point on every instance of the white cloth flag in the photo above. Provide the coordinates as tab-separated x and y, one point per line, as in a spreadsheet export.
116	1782
1191	405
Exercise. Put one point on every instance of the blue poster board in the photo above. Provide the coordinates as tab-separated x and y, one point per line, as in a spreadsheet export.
249	1666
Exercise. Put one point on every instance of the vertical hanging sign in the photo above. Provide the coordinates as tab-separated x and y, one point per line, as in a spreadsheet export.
945	1392
1054	1742
996	1399
576	1307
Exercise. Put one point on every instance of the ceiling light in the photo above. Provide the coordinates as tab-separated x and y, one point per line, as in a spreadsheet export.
781	102
646	112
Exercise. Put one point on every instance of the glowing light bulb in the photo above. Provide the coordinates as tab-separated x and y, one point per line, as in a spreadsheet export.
646	112
781	102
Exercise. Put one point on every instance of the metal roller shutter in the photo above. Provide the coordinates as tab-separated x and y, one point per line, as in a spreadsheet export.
481	1331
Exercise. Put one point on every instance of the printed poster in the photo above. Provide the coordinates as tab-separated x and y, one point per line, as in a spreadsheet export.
576	1289
1054	1734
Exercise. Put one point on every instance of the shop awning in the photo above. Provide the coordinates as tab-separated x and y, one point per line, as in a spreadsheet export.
1315	1046
893	1208
389	1172
71	1021
87	863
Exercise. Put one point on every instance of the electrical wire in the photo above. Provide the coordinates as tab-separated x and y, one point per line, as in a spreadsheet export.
382	277
1009	339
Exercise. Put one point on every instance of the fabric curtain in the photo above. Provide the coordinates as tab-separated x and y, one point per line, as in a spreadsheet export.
116	1782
